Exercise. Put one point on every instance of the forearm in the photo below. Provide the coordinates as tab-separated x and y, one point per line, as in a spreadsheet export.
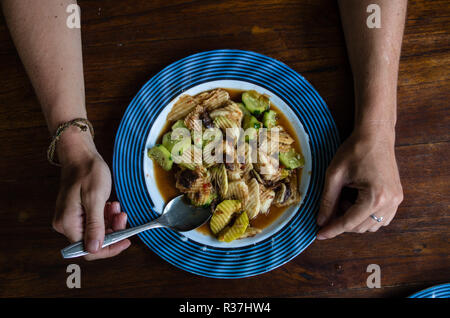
51	54
374	55
366	160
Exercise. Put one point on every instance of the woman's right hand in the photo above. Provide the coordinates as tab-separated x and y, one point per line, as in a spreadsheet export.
82	210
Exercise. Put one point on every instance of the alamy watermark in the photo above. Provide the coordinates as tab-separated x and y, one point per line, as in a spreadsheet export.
239	146
73	20
374	19
374	279
74	279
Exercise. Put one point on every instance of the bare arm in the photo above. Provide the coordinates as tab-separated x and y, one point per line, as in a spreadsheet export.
51	54
374	57
366	161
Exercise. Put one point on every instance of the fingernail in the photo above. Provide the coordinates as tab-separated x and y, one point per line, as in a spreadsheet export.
93	246
116	208
320	237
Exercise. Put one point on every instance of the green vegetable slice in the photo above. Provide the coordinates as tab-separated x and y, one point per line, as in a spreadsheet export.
222	214
201	200
270	119
251	126
292	159
180	144
178	124
251	122
236	230
168	142
162	156
244	110
255	102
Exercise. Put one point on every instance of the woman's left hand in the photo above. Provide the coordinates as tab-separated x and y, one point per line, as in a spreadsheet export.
365	162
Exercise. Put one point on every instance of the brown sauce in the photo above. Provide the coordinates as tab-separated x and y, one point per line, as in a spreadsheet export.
165	180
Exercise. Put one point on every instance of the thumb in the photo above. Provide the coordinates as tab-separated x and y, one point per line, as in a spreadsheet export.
94	233
334	182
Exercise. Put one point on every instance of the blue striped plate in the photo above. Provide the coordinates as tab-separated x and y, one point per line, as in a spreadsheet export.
143	120
438	291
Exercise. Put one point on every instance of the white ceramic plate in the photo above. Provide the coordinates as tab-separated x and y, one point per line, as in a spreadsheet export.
158	126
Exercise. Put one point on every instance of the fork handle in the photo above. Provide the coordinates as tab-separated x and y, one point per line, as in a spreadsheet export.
77	249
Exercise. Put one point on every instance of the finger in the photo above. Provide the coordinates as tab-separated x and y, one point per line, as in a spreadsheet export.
115	207
68	215
108	215
376	226
112	209
120	222
109	251
332	189
94	204
120	218
389	220
352	218
364	226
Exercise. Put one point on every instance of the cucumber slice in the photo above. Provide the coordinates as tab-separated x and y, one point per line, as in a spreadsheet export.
211	198
168	142
222	215
178	124
244	110
291	159
202	201
270	119
251	122
236	230
255	102
180	144
162	156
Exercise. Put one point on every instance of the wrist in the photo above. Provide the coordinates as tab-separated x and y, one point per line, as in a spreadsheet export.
376	132
75	145
375	117
376	102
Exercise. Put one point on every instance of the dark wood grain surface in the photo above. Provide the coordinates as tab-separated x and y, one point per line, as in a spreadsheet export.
126	42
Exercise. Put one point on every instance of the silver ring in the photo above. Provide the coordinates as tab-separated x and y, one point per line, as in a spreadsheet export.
376	218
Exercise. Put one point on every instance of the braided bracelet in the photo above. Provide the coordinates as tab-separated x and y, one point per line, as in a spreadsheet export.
81	123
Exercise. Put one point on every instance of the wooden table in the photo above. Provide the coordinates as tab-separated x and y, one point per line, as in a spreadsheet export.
126	42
